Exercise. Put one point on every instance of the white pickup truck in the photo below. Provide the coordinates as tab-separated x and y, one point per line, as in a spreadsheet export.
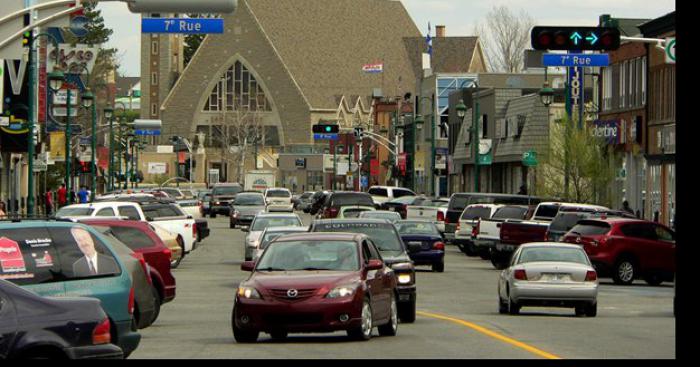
467	221
168	216
431	209
488	231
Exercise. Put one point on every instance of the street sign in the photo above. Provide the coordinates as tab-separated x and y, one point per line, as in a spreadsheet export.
147	132
530	159
326	137
63	112
183	25
575	60
61	98
671	50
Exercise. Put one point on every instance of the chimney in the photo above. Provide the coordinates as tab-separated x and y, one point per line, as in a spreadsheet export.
440	31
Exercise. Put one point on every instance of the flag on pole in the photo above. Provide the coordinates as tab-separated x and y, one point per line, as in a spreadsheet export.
429	41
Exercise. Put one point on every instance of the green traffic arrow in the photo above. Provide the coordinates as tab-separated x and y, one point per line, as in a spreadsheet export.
576	37
593	38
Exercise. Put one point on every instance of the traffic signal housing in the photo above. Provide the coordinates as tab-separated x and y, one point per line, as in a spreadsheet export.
326	129
567	38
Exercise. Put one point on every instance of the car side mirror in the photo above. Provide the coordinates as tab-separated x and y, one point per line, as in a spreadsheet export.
248	266
414	247
375	265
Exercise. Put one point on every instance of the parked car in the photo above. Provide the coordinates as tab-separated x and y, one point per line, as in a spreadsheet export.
49	258
304	201
381	214
140	238
345	204
263	221
424	242
221	196
32	326
270	234
550	275
245	207
487	232
279	200
567	219
191	207
434	210
382	194
316	282
317	201
173	242
464	233
627	249
392	251
399	205
459	201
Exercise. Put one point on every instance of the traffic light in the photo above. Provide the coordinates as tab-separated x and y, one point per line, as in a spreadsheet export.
575	38
326	129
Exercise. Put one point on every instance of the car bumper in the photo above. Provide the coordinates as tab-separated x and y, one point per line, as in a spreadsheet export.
104	351
169	293
304	316
127	339
220	209
407	293
524	292
280	208
428	257
203	232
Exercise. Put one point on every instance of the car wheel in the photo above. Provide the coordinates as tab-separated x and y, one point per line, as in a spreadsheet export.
175	263
279	335
580	311
591	310
407	311
364	332
439	267
231	225
502	306
513	307
392	326
625	271
470	250
498	263
157	302
242	336
654	279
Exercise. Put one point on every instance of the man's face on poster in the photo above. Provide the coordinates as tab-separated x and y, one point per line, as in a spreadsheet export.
84	240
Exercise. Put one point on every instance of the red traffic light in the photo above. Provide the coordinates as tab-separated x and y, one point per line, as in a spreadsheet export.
566	38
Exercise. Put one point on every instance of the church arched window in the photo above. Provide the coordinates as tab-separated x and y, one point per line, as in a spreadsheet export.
237	90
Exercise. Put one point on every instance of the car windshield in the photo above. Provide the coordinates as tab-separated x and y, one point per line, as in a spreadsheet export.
75	212
278	194
227	190
510	212
261	223
271	236
553	254
311	256
547	211
249	200
590	229
352	199
417	228
474	212
381	215
384	235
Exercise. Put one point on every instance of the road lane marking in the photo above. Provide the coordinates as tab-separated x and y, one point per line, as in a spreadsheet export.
492	334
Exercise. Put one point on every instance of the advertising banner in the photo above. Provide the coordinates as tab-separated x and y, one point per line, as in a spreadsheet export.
57	141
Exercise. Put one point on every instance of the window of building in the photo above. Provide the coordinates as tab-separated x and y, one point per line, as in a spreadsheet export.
644	80
621	86
154	109
154	78
154	47
237	90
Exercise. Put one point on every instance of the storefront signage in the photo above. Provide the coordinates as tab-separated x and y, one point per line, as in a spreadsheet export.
74	59
158	168
373	68
612	131
300	163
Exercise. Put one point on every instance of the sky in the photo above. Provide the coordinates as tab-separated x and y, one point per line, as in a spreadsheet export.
459	17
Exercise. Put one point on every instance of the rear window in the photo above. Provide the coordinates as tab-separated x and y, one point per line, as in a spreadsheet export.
260	223
351	199
161	211
553	254
384	235
278	194
591	229
75	212
408	228
40	255
132	237
248	199
401	193
563	222
547	211
510	212
458	203
378	192
477	212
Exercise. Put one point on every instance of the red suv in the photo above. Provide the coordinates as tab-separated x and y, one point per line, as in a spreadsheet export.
628	249
140	238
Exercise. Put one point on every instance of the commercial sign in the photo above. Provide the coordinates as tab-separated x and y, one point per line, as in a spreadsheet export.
671	50
373	68
485	152
183	25
441	158
575	60
61	97
613	131
576	91
158	168
57	141
72	59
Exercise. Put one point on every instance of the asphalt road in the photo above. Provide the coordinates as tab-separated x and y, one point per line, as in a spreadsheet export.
458	318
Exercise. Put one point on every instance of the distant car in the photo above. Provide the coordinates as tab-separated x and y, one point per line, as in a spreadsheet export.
432	209
424	242
245	207
279	200
263	221
627	249
173	192
382	194
381	214
565	220
392	251
401	204
49	258
464	233
316	282
304	201
40	327
221	196
345	204
550	275
272	233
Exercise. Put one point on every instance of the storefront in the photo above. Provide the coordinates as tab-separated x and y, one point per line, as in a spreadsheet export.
661	176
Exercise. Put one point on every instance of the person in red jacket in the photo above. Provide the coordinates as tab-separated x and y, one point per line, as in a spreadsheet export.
62	192
48	201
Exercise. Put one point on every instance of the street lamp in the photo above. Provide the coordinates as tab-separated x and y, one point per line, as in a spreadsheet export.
88	100
461	109
109	113
419	123
56	79
546	94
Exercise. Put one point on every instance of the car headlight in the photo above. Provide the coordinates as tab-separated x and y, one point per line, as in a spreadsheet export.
405	278
342	291
404	265
248	293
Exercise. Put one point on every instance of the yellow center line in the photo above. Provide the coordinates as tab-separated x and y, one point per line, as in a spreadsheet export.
492	334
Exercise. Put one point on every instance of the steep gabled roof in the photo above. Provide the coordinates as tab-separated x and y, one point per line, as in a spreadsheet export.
324	45
450	54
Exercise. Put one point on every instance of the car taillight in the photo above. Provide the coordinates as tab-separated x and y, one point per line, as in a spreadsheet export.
139	256
475	229
331	212
131	306
447	220
520	274
459	226
441	217
439	246
101	334
194	230
591	276
167	252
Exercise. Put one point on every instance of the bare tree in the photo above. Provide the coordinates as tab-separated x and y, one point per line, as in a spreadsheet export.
236	132
504	37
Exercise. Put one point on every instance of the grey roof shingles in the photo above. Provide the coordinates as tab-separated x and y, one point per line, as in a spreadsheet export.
450	54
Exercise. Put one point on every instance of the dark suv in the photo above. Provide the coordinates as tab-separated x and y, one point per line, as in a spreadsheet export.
221	196
346	205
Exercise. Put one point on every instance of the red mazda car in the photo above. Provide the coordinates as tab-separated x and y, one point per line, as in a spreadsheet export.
140	238
627	249
316	282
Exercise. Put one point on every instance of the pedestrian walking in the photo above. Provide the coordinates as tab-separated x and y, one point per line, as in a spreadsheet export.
83	195
626	207
3	213
62	196
48	202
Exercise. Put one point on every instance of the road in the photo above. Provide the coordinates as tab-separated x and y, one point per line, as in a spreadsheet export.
458	318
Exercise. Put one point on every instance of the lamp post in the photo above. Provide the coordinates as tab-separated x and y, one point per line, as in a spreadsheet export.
417	126
461	110
432	139
109	113
122	107
475	129
88	100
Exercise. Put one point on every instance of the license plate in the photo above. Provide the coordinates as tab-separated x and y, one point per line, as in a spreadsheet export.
556	277
404	297
416	243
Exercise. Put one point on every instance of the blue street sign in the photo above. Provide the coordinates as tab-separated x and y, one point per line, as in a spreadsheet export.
182	25
326	137
147	132
576	60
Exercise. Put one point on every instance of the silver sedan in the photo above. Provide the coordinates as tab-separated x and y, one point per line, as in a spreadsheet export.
549	275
